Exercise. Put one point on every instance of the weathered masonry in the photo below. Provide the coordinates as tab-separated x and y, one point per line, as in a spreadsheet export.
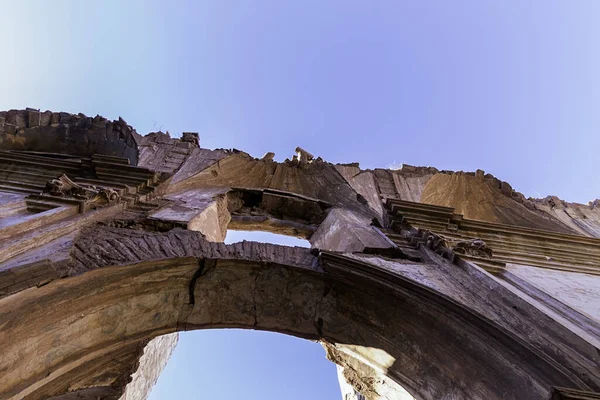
447	285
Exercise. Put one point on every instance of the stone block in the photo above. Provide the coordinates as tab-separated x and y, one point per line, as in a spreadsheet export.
17	118
55	118
268	156
191	137
2	121
46	118
34	118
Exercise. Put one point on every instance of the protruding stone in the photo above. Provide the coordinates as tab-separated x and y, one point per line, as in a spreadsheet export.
269	156
506	189
303	155
191	137
553	201
64	117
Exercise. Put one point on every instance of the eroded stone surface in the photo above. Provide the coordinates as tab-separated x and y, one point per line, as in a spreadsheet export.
152	362
346	231
68	134
584	219
82	291
477	198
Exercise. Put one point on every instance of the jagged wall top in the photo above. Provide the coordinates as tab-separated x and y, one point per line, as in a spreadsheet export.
64	133
476	195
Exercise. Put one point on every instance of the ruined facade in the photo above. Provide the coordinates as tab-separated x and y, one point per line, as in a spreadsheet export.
445	285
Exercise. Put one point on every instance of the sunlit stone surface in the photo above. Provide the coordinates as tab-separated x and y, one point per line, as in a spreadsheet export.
445	285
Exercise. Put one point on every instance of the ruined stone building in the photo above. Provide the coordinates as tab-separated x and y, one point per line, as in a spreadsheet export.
449	285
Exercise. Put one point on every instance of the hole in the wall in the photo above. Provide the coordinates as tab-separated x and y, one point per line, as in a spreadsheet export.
251	198
275	211
246	364
234	236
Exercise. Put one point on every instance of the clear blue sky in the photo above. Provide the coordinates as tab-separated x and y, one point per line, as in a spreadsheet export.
511	87
233	364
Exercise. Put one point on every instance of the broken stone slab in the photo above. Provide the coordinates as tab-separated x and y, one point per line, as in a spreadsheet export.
346	231
303	155
204	211
269	156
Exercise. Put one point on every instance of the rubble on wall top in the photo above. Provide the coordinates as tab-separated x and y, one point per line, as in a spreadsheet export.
14	120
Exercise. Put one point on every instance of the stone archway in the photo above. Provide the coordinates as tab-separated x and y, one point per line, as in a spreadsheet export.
400	292
373	319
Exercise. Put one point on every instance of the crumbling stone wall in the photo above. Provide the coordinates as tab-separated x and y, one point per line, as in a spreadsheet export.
385	287
68	134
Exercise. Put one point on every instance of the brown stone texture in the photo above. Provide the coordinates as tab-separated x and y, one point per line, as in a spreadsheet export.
581	218
77	135
419	283
406	183
478	198
317	180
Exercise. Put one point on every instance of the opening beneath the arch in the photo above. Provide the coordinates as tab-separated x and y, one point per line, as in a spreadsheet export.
238	364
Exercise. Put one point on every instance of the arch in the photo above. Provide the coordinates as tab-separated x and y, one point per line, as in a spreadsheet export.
83	289
373	318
